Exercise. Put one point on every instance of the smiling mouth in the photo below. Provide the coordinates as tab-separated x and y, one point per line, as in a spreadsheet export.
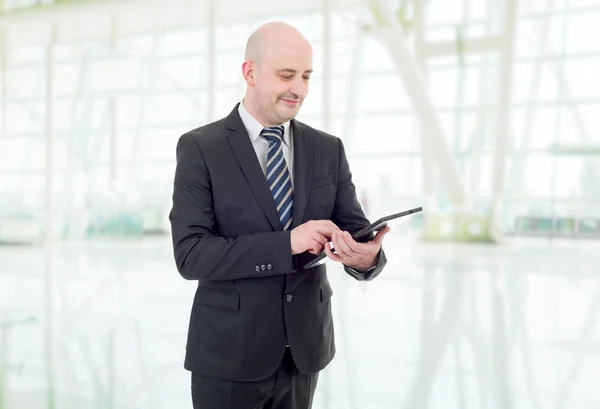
290	101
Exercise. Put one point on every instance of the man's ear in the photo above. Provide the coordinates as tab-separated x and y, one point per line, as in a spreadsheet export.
249	72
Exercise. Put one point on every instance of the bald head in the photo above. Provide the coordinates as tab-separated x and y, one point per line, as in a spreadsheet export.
277	69
272	38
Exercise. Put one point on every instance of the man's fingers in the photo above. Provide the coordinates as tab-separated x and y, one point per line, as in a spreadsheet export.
326	229
343	246
320	239
378	239
316	247
329	223
340	247
354	246
332	255
317	242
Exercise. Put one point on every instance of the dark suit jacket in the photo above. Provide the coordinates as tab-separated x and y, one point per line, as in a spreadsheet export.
253	296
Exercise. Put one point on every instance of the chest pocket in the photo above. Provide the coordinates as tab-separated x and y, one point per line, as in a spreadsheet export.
321	198
321	181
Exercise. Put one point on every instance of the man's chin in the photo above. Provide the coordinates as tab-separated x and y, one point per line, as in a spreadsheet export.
287	113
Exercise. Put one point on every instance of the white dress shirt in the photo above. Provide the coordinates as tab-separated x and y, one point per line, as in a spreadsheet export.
261	145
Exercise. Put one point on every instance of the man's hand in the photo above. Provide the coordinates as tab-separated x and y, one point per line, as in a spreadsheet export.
312	236
360	256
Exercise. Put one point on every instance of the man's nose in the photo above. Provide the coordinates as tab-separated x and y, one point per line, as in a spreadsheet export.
299	87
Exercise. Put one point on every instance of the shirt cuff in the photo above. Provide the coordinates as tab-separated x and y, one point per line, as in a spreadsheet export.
360	272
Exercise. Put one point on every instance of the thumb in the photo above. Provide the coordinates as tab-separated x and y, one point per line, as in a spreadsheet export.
378	239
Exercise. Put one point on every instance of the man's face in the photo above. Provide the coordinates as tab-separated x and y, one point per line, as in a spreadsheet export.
281	83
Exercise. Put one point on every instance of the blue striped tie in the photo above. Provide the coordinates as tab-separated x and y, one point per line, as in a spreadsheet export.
278	177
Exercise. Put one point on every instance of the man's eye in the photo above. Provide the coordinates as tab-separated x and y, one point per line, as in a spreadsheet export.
306	78
286	77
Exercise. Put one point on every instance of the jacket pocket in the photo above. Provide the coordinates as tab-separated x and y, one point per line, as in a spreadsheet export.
217	297
326	291
322	181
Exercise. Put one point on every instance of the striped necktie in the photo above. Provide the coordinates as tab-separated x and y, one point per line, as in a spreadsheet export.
278	176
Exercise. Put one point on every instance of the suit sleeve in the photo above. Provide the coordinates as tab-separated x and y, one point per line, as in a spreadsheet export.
200	253
349	216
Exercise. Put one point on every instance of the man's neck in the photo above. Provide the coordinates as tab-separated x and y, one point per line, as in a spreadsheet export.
250	108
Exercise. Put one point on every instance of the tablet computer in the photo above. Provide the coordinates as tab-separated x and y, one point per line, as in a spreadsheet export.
366	232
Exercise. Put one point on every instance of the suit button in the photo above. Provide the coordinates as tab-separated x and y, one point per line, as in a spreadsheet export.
263	267
257	268
289	297
269	267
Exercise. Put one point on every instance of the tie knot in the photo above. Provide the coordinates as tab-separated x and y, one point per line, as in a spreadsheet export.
273	133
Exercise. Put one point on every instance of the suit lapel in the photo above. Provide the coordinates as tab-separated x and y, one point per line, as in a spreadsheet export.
244	152
302	170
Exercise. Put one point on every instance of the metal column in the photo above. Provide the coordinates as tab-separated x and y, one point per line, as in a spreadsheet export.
49	223
112	111
426	157
48	136
212	59
3	85
327	75
503	136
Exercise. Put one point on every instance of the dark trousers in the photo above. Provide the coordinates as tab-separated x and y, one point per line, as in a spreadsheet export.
287	388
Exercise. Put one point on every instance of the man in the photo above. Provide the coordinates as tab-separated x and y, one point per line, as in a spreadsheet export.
256	195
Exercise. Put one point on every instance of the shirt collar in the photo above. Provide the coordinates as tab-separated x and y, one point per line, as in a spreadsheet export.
254	127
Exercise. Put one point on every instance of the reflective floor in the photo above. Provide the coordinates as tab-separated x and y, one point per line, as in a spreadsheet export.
446	326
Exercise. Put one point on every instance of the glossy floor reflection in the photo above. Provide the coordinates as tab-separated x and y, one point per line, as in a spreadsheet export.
446	326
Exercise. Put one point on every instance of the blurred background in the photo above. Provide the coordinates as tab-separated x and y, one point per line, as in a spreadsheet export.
485	112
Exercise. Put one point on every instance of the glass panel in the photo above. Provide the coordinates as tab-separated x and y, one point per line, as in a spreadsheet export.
309	24
183	42
26	82
539	36
582	77
590	119
440	34
24	117
87	26
233	36
22	153
226	99
115	73
583	31
541	6
375	56
229	68
384	134
537	175
538	131
25	54
168	108
576	4
381	93
340	95
342	22
21	192
343	56
470	134
137	45
570	130
185	72
568	181
444	11
313	103
442	87
67	78
534	83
